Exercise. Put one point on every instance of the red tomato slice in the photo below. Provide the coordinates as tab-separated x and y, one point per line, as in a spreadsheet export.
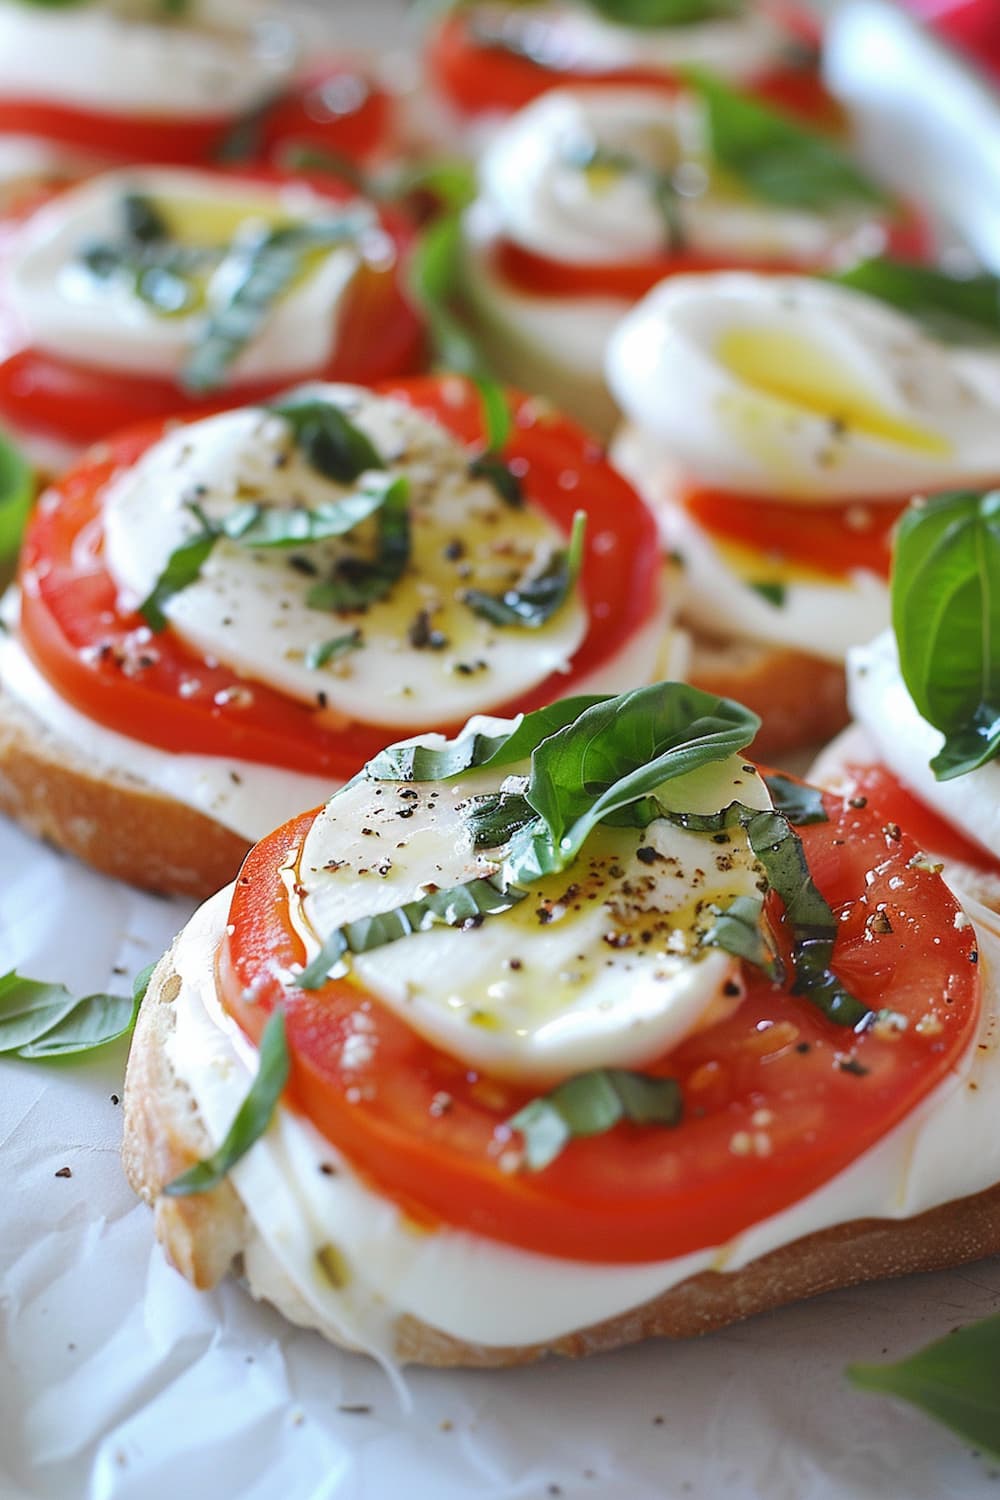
834	538
777	1098
909	237
128	138
335	107
102	659
480	79
890	801
379	336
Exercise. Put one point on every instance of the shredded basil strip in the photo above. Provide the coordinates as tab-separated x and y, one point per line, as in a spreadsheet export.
324	651
40	1020
652	13
17	489
435	278
946	615
533	602
328	440
501	476
182	568
956	1380
775	157
959	309
591	1104
774	593
810	918
259	270
800	803
252	1118
470	752
264	527
356	582
458	906
738	929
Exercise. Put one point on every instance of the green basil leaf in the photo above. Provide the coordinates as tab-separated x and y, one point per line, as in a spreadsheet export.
653	13
801	804
738	929
501	476
955	1380
470	752
457	906
591	1104
773	156
259	271
17	490
613	754
774	593
434	282
143	221
533	602
182	568
959	309
39	1020
946	615
318	655
494	819
357	582
252	1118
140	983
329	440
497	419
295	526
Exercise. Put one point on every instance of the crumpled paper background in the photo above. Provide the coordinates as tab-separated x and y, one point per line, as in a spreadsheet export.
119	1382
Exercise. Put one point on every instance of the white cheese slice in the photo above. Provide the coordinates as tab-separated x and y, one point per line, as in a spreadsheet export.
101	322
600	966
249	607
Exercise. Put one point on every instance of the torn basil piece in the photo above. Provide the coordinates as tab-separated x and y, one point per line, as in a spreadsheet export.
182	568
324	651
40	1020
455	907
800	803
356	582
296	526
773	593
532	603
252	1118
739	931
330	442
955	309
591	1104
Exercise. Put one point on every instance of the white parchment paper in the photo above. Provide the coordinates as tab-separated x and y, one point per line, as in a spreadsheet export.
119	1382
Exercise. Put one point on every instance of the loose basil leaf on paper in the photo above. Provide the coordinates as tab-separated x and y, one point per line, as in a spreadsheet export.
357	582
329	441
40	1020
252	1118
955	1380
435	285
259	271
800	803
470	752
453	907
17	489
774	157
615	753
959	309
591	1104
946	615
533	602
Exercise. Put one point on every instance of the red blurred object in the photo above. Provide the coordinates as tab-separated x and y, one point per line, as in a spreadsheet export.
971	25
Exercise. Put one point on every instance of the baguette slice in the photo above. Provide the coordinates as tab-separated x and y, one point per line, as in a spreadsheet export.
112	820
204	1236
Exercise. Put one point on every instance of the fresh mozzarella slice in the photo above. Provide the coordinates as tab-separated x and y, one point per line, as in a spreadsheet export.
422	651
601	965
221	59
798	389
582	177
572	38
99	320
881	702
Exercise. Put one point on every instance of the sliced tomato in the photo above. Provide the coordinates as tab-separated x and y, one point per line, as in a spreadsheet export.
480	79
908	237
891	802
336	108
146	138
777	1098
102	660
379	335
836	538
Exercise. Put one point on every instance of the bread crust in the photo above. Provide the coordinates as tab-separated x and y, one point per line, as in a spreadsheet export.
203	1236
801	699
112	821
